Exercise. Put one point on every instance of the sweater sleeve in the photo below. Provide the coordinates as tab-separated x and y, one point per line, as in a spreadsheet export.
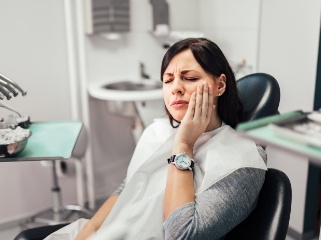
220	208
119	190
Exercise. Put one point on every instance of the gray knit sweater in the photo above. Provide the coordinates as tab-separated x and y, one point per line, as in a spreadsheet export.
217	210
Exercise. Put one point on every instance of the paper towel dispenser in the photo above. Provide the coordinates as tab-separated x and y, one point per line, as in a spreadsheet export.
160	10
107	16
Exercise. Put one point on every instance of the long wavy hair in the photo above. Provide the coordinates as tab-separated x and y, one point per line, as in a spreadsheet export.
213	61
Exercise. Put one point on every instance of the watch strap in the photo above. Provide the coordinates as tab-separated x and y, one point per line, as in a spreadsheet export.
171	159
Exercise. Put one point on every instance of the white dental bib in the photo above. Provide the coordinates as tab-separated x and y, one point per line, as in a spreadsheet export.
138	212
140	205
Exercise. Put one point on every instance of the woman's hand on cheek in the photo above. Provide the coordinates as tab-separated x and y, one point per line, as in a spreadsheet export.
197	116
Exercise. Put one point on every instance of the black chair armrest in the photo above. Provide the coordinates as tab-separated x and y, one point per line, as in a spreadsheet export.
38	233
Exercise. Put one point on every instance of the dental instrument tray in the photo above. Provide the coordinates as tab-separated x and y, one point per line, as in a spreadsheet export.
305	129
13	141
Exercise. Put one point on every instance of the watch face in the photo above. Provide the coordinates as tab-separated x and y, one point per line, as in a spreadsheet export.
182	161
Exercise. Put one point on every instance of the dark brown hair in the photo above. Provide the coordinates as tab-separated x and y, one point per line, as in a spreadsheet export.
213	61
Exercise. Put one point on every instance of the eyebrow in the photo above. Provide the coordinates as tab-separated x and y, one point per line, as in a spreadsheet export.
187	71
182	72
169	74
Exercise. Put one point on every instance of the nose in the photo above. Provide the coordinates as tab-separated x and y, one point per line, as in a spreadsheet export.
177	86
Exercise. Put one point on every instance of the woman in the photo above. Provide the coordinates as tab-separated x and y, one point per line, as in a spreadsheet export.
192	177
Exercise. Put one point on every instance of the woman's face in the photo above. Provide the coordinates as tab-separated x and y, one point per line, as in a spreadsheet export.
180	80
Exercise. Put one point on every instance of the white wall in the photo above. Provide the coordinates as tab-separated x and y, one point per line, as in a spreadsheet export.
33	53
289	43
234	26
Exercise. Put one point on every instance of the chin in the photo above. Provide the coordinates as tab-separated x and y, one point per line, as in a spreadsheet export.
177	114
177	117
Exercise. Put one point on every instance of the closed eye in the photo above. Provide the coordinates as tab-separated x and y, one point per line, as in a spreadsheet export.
191	78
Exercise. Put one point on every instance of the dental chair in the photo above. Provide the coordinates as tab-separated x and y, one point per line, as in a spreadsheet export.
260	95
270	219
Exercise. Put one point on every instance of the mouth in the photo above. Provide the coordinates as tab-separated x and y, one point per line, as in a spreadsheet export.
179	103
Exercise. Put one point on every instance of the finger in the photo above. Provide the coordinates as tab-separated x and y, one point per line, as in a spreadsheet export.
205	102
191	107
198	104
211	106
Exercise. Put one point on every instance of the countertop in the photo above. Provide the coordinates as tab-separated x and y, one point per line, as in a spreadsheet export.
50	140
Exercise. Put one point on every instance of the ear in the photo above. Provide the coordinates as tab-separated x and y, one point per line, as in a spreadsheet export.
221	84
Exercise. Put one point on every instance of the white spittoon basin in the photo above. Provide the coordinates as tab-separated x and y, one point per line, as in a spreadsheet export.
141	100
127	90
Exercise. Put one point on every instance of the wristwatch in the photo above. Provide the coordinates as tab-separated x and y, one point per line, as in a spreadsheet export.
182	161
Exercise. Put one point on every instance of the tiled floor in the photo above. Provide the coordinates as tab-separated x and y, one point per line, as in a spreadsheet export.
289	238
10	233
